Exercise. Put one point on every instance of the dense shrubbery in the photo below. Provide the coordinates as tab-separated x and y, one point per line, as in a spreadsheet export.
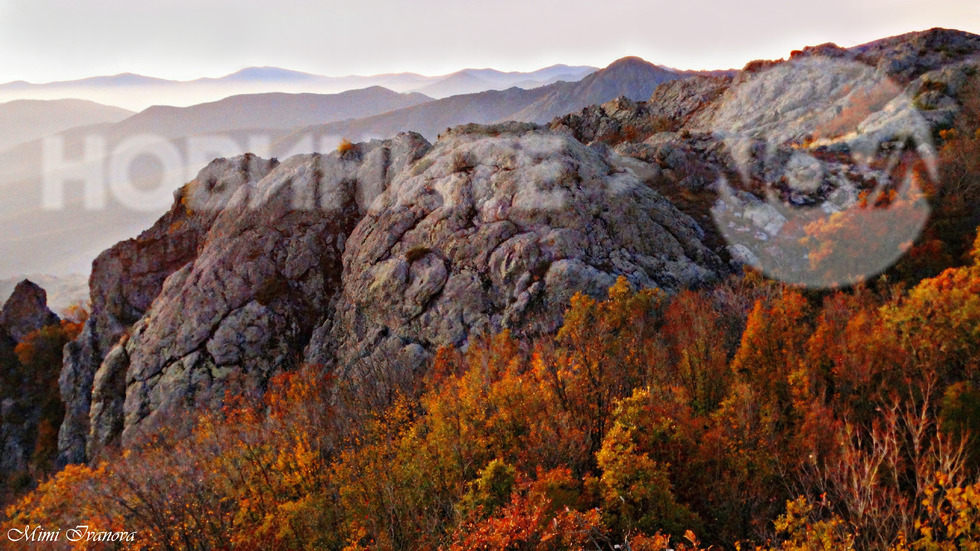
746	413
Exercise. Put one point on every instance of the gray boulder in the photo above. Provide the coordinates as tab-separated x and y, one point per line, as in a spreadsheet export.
496	228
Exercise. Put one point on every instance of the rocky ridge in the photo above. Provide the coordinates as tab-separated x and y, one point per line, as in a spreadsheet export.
245	307
382	252
791	140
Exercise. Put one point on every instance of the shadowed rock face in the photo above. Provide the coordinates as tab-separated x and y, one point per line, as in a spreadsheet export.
25	311
233	316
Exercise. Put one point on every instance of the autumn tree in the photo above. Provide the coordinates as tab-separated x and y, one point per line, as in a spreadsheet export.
939	322
636	489
696	352
603	351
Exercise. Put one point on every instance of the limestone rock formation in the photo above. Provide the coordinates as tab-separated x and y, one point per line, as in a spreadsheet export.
243	307
385	251
128	277
497	227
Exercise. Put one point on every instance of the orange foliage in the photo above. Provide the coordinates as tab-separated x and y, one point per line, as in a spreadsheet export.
699	358
939	321
642	421
532	520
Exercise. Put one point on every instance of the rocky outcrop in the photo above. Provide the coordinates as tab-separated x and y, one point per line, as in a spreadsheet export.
128	277
366	260
617	121
907	56
64	291
785	144
799	140
496	228
25	311
245	306
678	101
383	252
622	120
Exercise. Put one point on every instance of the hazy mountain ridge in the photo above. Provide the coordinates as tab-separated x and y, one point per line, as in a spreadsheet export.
470	81
633	78
274	110
137	92
26	120
434	117
73	235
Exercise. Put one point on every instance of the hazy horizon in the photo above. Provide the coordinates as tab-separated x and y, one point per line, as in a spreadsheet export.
293	70
43	41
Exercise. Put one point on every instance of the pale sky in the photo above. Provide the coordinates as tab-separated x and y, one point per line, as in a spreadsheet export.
46	40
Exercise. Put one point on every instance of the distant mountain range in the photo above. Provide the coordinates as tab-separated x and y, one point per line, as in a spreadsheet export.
68	236
137	92
26	120
631	77
272	110
470	81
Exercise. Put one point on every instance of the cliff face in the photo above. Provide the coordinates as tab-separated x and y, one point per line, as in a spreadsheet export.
128	277
244	308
